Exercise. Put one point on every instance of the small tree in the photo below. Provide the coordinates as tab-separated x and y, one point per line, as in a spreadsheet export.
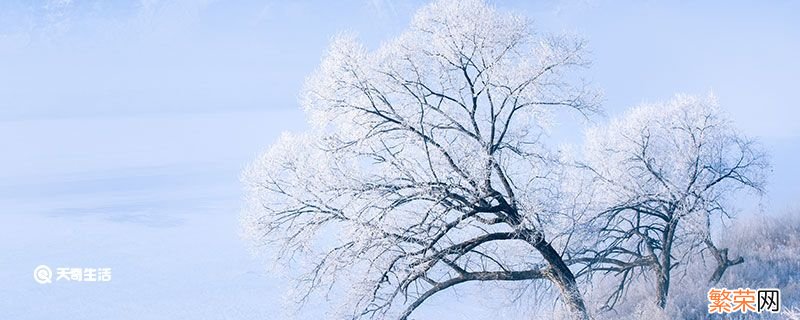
665	173
425	166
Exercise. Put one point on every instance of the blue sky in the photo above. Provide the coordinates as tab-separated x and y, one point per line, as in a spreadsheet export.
124	124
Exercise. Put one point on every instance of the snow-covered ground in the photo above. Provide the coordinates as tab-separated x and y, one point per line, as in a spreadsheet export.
156	198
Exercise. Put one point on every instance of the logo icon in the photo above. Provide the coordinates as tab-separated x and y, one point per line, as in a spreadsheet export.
42	274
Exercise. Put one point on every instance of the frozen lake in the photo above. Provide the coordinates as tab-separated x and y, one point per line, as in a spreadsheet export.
155	198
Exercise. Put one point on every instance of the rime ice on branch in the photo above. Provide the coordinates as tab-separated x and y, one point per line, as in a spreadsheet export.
425	167
667	172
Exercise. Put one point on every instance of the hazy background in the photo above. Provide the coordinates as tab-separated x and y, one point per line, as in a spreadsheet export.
124	126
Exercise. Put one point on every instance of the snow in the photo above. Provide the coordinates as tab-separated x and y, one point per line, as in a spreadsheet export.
156	198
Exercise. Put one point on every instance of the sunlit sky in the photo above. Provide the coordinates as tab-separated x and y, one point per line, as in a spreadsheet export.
105	103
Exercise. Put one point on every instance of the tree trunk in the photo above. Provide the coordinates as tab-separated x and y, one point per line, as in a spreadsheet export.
564	279
721	268
662	288
665	268
723	262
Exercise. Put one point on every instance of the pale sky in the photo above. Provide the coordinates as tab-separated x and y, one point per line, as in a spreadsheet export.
92	58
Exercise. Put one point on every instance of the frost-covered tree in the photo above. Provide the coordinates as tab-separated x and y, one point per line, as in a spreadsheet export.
665	173
425	166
